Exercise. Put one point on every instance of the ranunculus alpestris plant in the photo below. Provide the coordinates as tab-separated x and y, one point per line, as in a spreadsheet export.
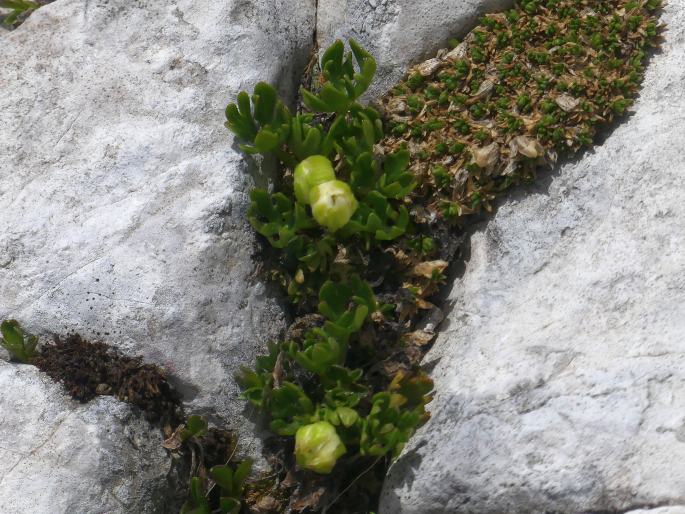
343	195
367	208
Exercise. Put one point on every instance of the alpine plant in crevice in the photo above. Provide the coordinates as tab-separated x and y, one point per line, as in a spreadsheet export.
338	204
362	223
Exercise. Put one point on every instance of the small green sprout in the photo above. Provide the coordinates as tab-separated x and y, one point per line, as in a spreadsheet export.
481	135
478	110
477	55
462	126
441	176
457	147
399	129
198	503
231	484
431	92
20	345
620	105
462	68
523	103
441	149
343	86
433	125
414	103
196	426
415	81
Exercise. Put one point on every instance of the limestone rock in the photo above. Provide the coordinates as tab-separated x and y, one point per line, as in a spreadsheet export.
399	33
560	375
660	510
58	456
123	195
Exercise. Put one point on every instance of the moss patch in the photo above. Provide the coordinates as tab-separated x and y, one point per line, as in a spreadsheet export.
524	88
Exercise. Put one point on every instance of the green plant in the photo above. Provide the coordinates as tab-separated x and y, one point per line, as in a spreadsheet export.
196	426
18	8
229	478
231	483
20	345
360	204
197	503
541	58
323	351
363	204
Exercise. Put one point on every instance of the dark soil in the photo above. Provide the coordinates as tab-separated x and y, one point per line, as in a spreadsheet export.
88	369
218	447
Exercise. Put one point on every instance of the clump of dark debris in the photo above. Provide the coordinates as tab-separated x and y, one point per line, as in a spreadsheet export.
88	369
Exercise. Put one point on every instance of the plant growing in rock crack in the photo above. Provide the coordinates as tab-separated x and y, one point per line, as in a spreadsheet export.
357	200
526	85
195	426
229	483
219	489
344	197
20	345
346	402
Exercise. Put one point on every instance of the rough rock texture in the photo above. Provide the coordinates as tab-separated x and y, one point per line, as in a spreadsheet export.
659	510
399	33
560	375
58	456
123	195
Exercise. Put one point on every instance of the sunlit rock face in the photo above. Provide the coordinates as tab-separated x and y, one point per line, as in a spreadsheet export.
124	197
60	456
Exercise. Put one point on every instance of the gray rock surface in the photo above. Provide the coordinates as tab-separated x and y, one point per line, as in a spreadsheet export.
399	33
124	196
123	218
59	456
660	510
560	374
